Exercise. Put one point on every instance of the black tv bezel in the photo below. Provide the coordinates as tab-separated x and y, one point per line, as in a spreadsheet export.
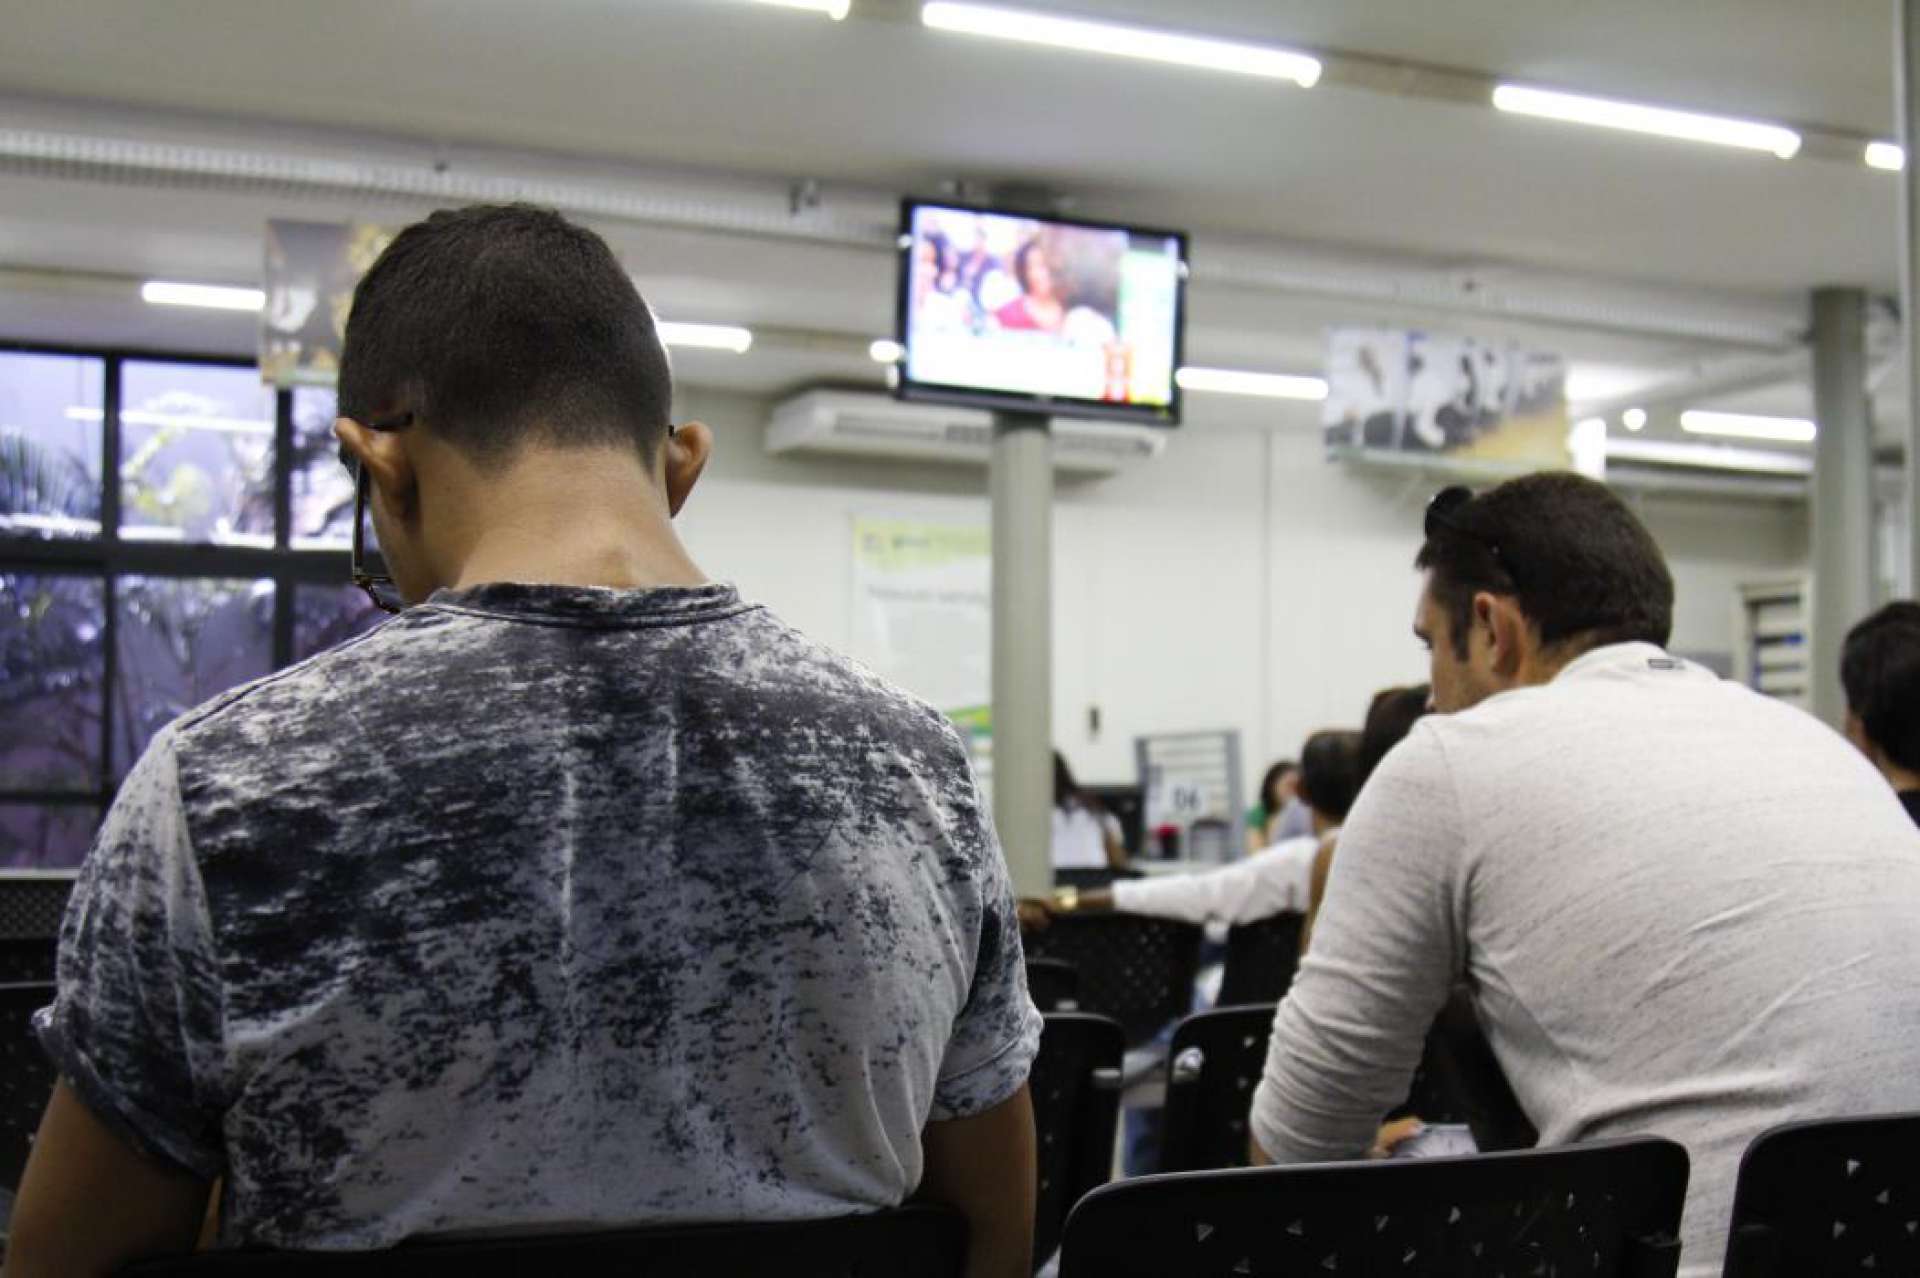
1167	416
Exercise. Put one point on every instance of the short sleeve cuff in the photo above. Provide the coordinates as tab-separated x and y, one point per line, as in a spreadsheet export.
150	1135
993	1081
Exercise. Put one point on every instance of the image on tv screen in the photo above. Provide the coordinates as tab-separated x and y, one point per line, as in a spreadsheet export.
1007	308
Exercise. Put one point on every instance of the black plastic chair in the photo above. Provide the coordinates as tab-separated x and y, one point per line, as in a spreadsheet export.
905	1243
1608	1210
30	912
1839	1196
1053	985
1262	958
1135	969
1214	1063
1075	1084
27	959
26	1077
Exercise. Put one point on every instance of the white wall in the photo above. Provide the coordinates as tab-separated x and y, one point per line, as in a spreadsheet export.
1239	581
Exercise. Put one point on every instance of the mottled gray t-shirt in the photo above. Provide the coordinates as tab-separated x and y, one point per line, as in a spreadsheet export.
546	907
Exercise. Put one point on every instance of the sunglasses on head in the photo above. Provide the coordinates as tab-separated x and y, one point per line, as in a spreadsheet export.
1444	514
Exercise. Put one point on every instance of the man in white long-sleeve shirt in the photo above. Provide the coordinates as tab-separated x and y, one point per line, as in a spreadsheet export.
1275	880
1684	909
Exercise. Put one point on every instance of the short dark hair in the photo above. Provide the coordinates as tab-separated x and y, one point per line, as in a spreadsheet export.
1330	772
500	324
1880	669
1580	564
1389	719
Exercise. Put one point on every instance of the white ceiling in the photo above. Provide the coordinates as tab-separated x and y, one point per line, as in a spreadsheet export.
881	103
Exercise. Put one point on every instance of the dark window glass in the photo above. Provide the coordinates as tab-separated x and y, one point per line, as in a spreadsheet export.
50	433
45	837
322	488
52	672
196	450
327	615
178	642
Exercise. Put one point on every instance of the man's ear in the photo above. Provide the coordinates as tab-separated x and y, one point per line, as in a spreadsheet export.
1508	637
383	455
686	451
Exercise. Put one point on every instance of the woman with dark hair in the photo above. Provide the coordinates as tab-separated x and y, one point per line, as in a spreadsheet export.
1279	793
1039	305
1389	719
1085	835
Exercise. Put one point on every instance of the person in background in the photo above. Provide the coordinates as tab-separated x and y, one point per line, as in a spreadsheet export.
1279	791
1683	909
1273	881
581	894
1880	669
1085	835
1390	718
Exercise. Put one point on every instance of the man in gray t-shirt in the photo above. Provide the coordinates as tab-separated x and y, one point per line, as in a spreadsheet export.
581	894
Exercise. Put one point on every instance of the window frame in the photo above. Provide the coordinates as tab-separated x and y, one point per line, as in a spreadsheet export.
109	558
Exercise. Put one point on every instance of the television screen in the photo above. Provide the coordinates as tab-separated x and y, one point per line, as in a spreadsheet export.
1006	310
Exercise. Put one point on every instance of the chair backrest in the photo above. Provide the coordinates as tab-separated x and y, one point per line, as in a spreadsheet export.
904	1243
1053	985
1075	1084
1262	958
1215	1061
1606	1209
1135	969
30	911
1840	1196
26	1077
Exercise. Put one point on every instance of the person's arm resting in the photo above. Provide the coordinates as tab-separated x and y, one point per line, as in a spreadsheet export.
1348	1038
89	1204
1256	887
985	1168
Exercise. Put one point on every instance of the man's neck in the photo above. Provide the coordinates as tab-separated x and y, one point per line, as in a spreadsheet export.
1322	823
573	519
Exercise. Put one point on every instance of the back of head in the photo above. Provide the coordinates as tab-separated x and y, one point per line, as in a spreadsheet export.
505	325
1330	773
1582	567
1880	669
1389	719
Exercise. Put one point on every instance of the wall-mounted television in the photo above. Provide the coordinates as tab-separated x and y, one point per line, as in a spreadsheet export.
1040	314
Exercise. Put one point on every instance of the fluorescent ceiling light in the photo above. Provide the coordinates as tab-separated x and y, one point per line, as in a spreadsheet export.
1593	424
1230	381
1890	156
885	350
706	337
1122	41
1634	117
171	293
835	9
1789	430
1662	452
186	421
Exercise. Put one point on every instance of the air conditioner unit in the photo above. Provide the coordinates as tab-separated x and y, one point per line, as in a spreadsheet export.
857	423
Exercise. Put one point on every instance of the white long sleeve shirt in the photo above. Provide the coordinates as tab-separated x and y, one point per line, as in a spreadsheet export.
1275	880
1684	909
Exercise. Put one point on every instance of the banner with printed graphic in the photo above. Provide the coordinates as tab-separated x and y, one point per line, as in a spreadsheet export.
311	270
923	611
1494	405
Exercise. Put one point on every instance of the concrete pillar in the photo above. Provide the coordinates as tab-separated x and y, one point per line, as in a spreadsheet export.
1907	86
1843	536
1022	488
